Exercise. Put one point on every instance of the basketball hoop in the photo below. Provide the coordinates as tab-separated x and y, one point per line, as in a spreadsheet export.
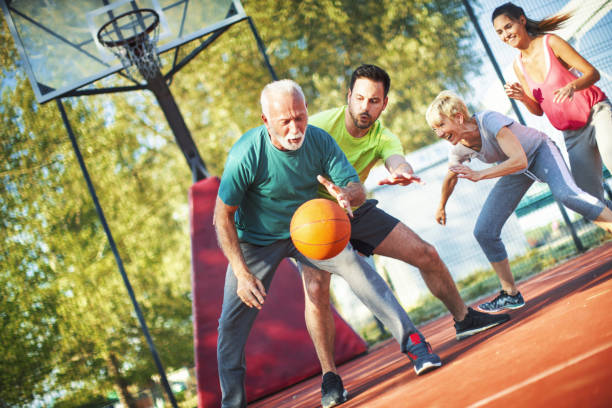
132	37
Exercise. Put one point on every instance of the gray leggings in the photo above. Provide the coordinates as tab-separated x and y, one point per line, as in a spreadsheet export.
546	166
588	147
237	319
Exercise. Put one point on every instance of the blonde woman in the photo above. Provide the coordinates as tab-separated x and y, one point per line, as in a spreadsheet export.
521	155
546	67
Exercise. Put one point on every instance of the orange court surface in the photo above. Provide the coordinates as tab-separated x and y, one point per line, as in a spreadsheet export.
554	352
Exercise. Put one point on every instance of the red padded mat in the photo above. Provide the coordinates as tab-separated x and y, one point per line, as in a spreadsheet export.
279	351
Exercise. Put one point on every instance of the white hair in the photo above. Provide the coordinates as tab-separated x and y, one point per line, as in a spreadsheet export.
286	86
446	104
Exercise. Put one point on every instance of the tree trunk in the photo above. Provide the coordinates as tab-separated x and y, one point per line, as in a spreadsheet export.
126	398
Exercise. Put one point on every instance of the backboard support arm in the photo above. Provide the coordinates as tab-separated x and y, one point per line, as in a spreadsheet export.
262	49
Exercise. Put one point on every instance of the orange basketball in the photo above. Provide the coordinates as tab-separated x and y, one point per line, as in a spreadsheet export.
320	229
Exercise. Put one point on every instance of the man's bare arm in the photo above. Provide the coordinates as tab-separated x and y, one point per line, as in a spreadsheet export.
250	289
400	172
352	195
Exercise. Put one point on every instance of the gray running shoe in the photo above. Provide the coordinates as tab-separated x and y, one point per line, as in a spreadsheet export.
332	390
421	355
476	321
503	301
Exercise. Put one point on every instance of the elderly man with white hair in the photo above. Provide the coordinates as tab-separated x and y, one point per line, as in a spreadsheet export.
270	171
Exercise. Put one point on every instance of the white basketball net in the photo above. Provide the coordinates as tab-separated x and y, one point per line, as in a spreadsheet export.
138	55
141	57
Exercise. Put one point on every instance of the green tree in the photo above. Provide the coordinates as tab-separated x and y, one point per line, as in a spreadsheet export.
424	46
143	200
28	298
67	323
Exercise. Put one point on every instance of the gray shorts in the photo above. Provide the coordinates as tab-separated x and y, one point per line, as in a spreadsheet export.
370	226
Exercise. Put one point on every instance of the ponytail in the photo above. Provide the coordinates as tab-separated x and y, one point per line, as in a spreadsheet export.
549	24
534	27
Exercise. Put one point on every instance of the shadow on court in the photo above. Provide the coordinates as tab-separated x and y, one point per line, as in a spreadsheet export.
555	350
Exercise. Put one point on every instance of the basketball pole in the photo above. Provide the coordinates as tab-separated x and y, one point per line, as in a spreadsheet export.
487	48
111	241
158	86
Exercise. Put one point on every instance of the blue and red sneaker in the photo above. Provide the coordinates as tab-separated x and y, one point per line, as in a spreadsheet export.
421	355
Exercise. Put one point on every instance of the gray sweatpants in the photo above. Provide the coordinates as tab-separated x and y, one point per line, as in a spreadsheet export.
237	319
587	146
547	166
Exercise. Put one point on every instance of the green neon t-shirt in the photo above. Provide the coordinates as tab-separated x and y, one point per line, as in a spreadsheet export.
364	152
268	184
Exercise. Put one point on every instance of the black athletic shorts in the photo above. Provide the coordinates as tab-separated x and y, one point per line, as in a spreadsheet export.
370	226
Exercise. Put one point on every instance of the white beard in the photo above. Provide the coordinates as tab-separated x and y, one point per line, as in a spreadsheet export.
285	141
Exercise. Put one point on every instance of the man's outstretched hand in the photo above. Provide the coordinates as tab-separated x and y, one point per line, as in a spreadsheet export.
338	193
403	179
402	174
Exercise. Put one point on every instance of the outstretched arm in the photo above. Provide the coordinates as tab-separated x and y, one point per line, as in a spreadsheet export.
400	171
250	289
448	186
351	195
510	145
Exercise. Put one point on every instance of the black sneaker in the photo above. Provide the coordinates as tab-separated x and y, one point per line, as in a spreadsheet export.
475	322
421	355
332	390
503	301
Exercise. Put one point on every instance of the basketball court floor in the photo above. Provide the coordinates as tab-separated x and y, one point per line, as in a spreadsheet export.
556	351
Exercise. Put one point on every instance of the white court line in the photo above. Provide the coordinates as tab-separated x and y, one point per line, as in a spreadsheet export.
599	294
538	377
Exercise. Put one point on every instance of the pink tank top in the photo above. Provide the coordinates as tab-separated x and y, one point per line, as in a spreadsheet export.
572	114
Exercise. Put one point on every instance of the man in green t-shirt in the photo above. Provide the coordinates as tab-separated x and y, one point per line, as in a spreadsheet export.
269	172
364	140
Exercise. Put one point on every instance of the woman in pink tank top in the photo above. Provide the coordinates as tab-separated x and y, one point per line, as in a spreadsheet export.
572	103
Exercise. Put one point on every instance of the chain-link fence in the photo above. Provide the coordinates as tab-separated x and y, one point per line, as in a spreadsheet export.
540	233
589	31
